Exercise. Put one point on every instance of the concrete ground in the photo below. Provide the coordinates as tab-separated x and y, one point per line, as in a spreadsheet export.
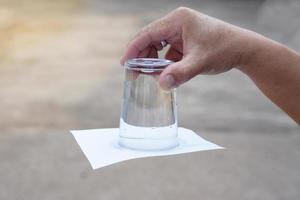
59	70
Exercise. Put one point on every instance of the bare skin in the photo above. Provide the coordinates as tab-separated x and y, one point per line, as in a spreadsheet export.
200	44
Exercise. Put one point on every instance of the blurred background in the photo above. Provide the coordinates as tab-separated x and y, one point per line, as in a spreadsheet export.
59	70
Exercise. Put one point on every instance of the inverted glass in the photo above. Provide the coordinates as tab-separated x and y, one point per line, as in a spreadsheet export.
149	114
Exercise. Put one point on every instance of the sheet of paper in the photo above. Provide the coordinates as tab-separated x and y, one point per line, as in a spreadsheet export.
101	148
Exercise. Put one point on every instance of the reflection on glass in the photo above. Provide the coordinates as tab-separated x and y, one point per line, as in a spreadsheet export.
149	116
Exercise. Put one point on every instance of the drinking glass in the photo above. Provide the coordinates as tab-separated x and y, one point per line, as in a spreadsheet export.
149	114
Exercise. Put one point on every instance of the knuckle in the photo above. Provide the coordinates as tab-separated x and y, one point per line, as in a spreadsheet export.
183	15
183	10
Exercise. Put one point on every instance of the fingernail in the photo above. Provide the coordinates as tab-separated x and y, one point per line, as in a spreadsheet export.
168	82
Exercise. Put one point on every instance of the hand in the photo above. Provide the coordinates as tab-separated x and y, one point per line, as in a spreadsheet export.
199	44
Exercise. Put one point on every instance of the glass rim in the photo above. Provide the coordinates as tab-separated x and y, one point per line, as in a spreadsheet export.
147	64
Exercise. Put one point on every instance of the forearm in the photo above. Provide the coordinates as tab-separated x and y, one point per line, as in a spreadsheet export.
275	69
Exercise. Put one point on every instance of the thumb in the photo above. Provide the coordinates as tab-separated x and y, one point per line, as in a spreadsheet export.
180	72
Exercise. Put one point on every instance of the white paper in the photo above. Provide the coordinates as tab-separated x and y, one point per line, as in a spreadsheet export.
101	148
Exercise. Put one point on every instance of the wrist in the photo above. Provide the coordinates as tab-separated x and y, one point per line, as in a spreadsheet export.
253	47
261	52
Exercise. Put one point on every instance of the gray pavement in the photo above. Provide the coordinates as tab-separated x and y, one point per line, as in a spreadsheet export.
59	71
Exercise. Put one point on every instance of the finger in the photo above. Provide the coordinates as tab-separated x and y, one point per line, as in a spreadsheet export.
173	54
180	72
144	53
149	52
154	33
153	53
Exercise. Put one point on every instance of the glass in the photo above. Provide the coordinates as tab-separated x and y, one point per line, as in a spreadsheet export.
149	114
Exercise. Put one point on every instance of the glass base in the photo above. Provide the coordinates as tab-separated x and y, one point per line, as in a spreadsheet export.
148	144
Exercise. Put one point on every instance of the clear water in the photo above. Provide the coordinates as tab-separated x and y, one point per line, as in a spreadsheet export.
147	138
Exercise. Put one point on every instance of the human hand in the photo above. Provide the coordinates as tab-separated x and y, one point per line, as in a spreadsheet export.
199	44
